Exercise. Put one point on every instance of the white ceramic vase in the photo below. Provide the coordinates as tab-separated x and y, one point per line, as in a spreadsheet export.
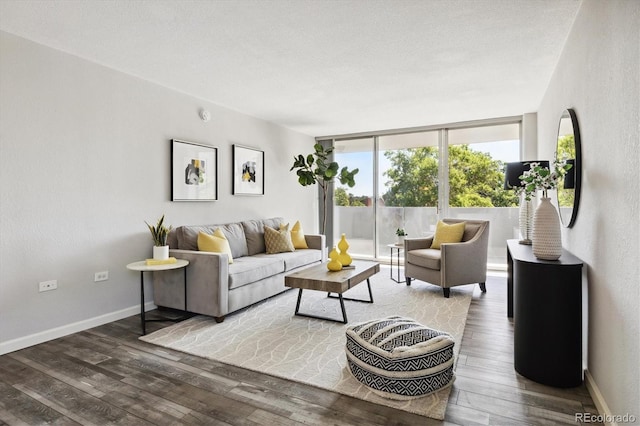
547	239
400	240
161	252
526	221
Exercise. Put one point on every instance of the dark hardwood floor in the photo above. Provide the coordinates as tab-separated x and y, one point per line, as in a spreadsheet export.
107	376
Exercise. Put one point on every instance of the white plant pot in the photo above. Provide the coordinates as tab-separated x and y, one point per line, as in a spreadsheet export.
547	238
400	240
161	252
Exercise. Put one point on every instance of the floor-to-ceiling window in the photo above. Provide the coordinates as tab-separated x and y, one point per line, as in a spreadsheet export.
354	208
408	185
411	179
476	158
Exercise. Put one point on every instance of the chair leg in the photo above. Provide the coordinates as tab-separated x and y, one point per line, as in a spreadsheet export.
408	280
447	292
483	287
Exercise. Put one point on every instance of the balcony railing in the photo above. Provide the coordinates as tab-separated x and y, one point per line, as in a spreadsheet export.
358	223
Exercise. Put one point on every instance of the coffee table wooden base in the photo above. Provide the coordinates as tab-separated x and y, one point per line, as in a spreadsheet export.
339	297
318	278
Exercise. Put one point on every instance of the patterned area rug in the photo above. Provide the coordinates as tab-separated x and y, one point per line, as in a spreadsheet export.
268	338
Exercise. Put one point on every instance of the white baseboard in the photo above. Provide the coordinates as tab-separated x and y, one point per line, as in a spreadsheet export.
598	399
65	330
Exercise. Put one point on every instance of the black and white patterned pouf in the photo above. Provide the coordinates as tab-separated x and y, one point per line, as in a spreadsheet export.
400	358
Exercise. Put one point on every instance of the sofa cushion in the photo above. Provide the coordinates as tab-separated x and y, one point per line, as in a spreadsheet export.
172	239
297	236
254	233
278	241
427	258
446	233
234	232
470	231
216	243
296	259
249	269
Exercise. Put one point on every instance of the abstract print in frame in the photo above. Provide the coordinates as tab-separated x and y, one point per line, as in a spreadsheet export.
248	171
194	171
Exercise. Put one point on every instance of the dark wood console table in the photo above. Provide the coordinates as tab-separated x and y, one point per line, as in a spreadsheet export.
545	299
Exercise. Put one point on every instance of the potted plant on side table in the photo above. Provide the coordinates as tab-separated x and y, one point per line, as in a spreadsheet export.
400	232
159	233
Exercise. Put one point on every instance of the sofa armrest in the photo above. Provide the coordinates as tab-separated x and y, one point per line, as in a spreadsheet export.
417	243
207	283
318	242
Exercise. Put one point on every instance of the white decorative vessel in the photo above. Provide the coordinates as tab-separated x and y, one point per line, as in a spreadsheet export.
161	252
526	221
547	238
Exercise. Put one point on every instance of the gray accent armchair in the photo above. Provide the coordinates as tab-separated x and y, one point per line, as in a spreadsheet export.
455	263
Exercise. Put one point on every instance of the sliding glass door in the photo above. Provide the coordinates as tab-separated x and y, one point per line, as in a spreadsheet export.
410	180
354	208
408	186
476	158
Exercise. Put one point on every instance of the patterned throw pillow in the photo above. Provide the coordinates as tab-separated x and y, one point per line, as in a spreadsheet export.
278	241
447	233
216	243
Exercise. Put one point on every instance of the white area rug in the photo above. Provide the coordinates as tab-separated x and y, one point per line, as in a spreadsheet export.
268	338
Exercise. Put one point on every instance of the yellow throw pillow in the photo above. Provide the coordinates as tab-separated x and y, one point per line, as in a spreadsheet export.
216	243
297	236
278	241
447	234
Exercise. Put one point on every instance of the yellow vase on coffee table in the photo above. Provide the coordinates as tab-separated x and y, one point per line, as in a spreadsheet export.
343	245
334	264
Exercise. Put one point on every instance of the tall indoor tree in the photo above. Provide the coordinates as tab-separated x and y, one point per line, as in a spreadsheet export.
317	167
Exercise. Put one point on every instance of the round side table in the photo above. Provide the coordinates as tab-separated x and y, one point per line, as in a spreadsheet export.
397	249
143	267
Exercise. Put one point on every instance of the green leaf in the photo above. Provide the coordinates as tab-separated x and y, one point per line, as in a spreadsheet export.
347	177
159	232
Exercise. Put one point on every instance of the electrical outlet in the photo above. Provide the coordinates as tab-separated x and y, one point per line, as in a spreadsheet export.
101	276
47	285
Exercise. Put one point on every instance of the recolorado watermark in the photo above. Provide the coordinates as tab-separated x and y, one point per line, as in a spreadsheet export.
604	418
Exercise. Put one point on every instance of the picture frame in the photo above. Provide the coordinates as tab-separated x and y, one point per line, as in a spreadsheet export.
248	170
194	171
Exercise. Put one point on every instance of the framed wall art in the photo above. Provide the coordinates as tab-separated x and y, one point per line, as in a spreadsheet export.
248	171
194	171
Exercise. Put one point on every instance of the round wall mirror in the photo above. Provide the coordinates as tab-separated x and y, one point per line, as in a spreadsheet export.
569	148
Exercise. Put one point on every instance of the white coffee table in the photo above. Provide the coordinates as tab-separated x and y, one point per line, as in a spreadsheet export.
143	267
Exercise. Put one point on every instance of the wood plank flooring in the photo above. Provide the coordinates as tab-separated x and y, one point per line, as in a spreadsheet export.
107	376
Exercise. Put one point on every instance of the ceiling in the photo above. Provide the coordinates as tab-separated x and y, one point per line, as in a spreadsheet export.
321	67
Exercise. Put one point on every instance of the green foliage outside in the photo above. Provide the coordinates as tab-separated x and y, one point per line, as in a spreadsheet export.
566	150
341	198
344	199
413	178
475	179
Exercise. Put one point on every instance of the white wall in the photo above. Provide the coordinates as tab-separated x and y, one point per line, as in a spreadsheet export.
599	76
84	161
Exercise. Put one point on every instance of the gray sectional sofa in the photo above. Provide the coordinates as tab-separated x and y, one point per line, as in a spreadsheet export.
217	288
